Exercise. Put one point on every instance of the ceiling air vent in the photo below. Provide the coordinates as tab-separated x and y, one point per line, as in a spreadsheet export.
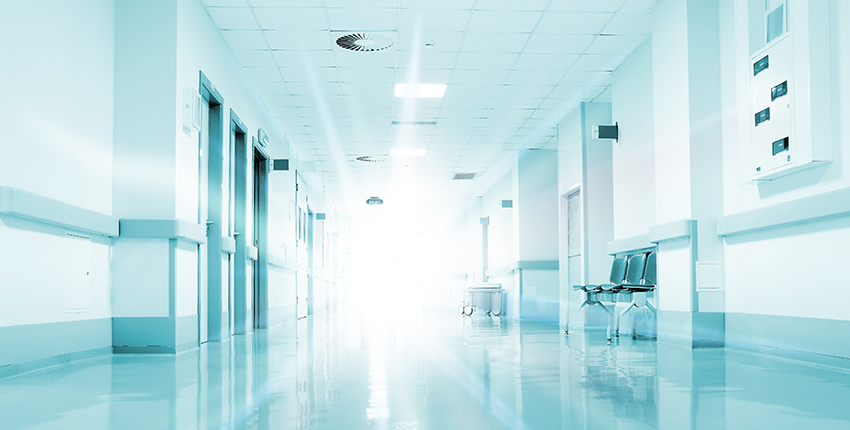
463	176
369	159
374	201
365	42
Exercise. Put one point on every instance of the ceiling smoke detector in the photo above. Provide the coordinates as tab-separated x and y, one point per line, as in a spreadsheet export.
369	159
374	201
463	176
365	42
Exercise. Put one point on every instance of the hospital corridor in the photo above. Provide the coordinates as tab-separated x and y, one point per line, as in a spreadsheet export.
424	214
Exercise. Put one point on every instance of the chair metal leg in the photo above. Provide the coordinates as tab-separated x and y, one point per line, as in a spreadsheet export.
651	308
622	314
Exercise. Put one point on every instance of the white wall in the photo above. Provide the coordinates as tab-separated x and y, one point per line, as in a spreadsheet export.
671	116
633	157
771	273
56	100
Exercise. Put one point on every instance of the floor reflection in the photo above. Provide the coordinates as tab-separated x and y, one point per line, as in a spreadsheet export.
404	368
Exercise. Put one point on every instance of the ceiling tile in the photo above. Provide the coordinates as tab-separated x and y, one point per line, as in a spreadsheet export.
470	112
562	104
484	77
263	74
233	18
365	59
279	100
297	40
494	42
491	60
598	62
586	6
529	61
558	44
583	92
585	78
572	23
534	77
371	74
362	19
282	3
367	89
437	4
245	39
440	41
525	91
466	102
425	20
254	58
314	89
535	5
615	44
371	112
291	18
426	59
368	101
233	3
638	6
515	103
499	112
630	23
314	58
303	74
433	76
276	88
371	3
289	112
503	21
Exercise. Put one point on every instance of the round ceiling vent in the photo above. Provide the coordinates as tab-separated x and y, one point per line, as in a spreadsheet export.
374	201
364	42
369	159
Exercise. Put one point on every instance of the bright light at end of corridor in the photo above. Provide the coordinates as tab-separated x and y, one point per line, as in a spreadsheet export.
420	90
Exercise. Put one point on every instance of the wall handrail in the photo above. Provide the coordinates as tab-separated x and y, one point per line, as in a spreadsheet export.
807	209
163	228
24	204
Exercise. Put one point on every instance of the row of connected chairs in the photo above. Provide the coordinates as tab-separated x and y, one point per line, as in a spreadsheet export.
630	274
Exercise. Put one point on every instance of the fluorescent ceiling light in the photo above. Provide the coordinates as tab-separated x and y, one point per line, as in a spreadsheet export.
420	90
407	152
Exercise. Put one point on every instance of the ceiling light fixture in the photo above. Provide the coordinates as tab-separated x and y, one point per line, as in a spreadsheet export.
407	152
420	90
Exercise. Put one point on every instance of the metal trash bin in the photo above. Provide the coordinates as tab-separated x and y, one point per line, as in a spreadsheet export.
486	297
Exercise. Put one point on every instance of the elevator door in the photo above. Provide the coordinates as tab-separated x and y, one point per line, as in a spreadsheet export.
203	211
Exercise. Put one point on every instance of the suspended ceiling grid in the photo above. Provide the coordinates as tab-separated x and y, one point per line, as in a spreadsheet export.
513	69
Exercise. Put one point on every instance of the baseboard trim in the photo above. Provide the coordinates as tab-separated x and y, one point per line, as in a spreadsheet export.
12	370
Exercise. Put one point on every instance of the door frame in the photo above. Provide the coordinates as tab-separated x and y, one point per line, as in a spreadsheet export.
260	279
210	297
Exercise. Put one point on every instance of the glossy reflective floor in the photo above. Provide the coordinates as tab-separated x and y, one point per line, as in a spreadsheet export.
408	369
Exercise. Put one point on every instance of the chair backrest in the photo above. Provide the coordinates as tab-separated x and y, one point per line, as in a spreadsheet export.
649	274
637	264
618	270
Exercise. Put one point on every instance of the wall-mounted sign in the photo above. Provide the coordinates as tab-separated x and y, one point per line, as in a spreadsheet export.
262	137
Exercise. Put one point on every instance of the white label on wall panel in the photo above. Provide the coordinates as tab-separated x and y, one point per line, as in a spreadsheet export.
77	273
710	276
